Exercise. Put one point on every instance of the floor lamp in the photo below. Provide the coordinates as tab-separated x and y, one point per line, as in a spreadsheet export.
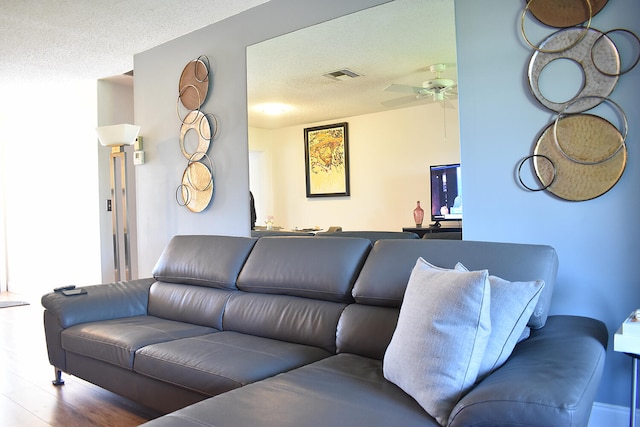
117	137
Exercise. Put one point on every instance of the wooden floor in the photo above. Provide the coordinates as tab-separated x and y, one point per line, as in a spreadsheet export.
27	397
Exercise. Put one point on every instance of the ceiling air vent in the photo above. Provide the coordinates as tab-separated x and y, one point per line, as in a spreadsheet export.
344	74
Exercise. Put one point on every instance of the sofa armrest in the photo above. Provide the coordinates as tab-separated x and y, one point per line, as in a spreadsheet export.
101	302
550	379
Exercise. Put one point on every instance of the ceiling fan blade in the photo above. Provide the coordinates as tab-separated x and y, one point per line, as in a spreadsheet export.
403	89
400	101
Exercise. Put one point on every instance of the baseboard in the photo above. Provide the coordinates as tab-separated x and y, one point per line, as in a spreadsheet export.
605	415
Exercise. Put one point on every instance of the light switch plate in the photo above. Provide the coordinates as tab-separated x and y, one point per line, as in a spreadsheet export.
138	157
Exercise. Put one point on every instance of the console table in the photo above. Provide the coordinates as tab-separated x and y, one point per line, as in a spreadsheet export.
429	230
629	345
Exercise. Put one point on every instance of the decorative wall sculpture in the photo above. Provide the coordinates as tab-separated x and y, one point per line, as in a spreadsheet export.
196	187
580	155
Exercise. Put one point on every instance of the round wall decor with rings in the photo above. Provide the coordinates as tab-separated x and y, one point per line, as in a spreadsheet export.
589	152
627	35
596	84
564	13
588	138
556	49
194	83
197	122
197	187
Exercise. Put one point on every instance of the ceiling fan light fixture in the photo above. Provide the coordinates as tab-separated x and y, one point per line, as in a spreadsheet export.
438	85
438	68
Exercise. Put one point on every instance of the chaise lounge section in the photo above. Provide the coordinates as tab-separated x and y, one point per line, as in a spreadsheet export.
290	331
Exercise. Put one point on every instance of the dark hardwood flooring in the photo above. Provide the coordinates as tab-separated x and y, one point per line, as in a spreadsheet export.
27	397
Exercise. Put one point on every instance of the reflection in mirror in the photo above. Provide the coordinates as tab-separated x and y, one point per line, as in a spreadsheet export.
389	72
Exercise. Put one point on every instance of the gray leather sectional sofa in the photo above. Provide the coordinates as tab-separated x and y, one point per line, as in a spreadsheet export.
292	331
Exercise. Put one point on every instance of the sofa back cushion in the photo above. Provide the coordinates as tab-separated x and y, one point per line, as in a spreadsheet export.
199	305
286	318
323	269
373	236
384	277
212	261
366	330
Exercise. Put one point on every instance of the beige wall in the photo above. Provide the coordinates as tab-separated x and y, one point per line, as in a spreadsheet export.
389	158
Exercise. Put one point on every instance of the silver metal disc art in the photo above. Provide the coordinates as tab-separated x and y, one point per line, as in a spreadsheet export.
199	123
596	84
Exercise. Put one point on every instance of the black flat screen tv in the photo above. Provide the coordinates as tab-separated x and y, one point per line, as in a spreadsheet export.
446	193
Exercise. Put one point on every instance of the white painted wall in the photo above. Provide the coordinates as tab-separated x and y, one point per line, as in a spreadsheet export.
389	158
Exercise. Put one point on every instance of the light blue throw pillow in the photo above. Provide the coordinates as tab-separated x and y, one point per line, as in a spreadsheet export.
511	306
443	329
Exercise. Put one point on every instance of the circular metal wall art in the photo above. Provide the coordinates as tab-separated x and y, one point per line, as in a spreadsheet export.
562	47
564	13
197	187
587	138
604	68
194	83
551	178
596	84
194	90
199	123
593	130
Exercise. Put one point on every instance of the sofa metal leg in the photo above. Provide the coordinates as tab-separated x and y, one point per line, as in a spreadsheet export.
58	381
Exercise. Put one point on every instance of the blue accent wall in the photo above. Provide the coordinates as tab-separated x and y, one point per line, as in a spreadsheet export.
598	241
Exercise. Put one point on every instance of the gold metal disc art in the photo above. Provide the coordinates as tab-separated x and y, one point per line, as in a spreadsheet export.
197	187
588	139
564	13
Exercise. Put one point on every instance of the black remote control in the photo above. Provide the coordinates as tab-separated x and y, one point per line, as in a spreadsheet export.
64	288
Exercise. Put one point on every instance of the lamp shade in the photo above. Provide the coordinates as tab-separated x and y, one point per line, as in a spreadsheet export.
115	135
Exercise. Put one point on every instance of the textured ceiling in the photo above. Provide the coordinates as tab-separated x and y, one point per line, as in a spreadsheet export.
92	39
392	43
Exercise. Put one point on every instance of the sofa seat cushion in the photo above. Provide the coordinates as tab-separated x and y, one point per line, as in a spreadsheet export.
215	363
342	390
116	341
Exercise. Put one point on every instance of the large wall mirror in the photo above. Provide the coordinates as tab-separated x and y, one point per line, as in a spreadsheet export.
390	73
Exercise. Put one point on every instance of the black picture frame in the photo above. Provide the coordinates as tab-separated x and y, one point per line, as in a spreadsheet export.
326	153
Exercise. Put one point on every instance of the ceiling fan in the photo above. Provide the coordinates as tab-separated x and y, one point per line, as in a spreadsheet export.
434	90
